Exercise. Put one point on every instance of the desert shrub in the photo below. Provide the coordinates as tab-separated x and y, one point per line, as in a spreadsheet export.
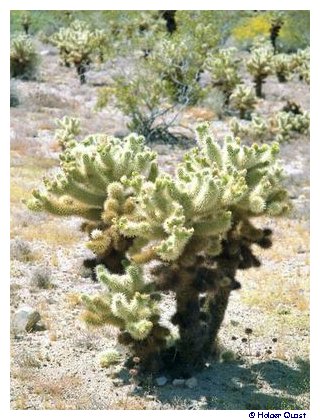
196	226
243	99
146	100
223	68
78	45
41	277
20	250
177	63
23	58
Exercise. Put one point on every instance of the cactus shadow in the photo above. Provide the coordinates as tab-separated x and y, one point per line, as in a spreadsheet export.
238	386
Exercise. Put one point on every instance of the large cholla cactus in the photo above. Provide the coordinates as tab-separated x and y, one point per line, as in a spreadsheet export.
78	44
223	68
88	186
198	225
260	66
195	228
243	99
23	58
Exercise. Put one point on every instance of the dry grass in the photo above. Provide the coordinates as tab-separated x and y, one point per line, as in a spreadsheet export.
274	289
51	233
199	114
73	300
56	387
129	403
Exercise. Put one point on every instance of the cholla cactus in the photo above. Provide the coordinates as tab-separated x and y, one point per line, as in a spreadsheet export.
26	21
282	67
88	186
284	124
277	21
259	66
195	226
243	99
223	67
77	46
129	305
257	130
23	58
199	219
68	129
300	64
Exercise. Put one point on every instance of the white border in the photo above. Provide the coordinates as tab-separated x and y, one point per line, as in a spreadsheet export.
5	7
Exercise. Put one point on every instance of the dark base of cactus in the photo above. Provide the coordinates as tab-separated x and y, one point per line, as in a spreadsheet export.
113	262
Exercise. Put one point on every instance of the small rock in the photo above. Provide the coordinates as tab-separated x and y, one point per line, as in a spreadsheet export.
178	382
25	319
192	383
150	397
161	381
117	382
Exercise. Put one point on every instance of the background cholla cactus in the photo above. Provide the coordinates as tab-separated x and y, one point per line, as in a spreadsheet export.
26	21
223	68
23	58
243	99
78	45
300	64
88	186
68	129
282	126
282	64
257	130
129	304
276	22
259	66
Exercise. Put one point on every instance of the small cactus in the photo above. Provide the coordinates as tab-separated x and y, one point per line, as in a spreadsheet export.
78	44
259	66
23	58
243	99
223	68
